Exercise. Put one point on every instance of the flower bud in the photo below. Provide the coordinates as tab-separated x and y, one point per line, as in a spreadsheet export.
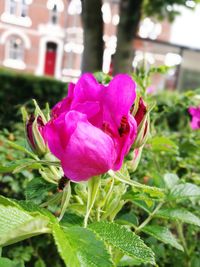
34	134
141	111
142	118
136	158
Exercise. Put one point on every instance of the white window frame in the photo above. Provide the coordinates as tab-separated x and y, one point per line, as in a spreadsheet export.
15	63
17	18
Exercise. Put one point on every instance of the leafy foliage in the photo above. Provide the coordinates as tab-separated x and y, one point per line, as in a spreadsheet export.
131	215
82	247
124	240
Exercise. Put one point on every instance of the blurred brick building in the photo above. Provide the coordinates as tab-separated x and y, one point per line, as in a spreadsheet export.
34	37
45	37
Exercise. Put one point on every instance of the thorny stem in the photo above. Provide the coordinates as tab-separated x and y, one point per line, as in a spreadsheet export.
149	218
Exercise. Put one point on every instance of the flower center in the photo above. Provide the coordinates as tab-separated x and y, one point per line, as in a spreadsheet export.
107	129
124	126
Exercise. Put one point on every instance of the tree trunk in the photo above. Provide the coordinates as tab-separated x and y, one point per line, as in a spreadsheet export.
93	36
130	15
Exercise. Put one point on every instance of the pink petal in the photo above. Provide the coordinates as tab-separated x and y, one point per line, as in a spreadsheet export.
64	104
57	132
89	152
119	96
87	89
125	142
88	108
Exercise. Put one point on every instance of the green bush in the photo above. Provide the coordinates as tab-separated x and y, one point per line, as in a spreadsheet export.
18	89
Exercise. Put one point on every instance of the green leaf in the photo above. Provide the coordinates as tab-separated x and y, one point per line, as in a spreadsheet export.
124	240
186	190
40	263
18	165
151	190
65	199
71	219
178	214
4	262
127	219
163	144
34	209
17	224
170	180
163	234
20	148
140	200
37	189
79	247
29	164
128	261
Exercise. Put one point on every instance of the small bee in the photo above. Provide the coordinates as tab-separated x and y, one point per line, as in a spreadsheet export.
124	126
62	183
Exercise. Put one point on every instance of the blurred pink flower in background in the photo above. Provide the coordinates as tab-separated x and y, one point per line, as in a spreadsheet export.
92	129
151	90
195	114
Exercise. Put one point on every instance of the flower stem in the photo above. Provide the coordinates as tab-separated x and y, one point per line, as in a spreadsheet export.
149	218
182	238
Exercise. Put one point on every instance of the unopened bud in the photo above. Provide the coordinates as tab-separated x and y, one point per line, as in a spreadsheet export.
141	111
143	121
34	133
136	156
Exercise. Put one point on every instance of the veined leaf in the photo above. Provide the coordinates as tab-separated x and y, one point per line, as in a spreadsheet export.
126	241
34	209
179	214
79	247
16	224
186	190
163	234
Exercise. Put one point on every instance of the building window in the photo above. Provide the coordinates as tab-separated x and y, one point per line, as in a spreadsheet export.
15	49
54	15
24	9
16	12
72	60
18	8
55	8
14	57
12	7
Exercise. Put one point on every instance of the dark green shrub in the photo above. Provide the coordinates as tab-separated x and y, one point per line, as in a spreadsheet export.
18	89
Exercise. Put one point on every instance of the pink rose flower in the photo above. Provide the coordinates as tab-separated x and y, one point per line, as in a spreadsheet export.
92	129
195	114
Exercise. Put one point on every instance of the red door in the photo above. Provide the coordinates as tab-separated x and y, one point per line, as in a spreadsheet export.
50	59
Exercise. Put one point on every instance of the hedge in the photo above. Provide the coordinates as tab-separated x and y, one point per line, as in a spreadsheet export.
19	89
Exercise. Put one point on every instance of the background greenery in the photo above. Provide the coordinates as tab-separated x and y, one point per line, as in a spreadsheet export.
19	89
171	155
